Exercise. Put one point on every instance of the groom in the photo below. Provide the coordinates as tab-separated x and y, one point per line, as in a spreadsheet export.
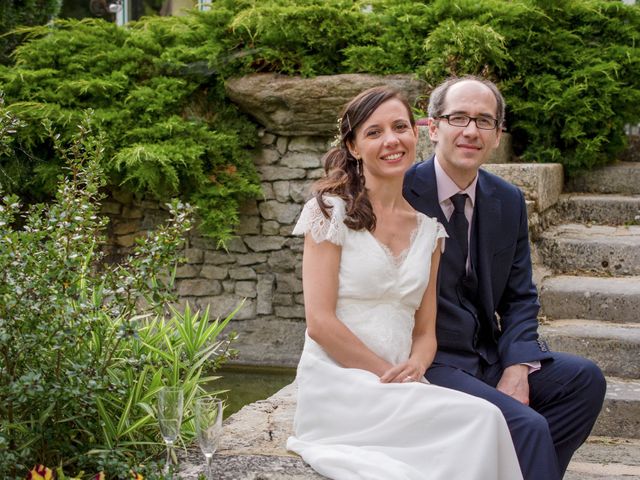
488	343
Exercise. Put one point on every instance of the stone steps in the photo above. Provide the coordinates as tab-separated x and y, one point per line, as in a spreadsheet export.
621	178
609	299
602	209
599	249
620	415
607	458
614	347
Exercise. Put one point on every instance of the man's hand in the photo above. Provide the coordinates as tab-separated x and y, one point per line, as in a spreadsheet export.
515	383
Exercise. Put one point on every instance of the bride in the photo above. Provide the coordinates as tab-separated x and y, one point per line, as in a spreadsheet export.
364	409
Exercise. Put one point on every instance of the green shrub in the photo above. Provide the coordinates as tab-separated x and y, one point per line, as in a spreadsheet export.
570	70
168	127
14	15
85	345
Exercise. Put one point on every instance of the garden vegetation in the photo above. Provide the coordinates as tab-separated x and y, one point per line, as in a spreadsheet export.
85	345
570	71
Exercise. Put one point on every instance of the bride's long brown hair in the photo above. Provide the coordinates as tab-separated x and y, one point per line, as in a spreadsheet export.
343	172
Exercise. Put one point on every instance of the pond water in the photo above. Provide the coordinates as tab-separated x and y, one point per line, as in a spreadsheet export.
247	384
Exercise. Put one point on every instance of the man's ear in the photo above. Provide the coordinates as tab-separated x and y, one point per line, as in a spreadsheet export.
498	138
433	129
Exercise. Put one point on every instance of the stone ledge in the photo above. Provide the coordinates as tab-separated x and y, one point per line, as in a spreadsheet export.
541	183
296	106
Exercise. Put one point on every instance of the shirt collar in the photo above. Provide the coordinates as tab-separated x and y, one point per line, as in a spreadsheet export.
447	187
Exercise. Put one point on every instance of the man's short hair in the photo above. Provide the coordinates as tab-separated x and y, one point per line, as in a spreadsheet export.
439	94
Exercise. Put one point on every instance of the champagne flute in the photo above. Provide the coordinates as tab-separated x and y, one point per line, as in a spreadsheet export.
208	419
170	402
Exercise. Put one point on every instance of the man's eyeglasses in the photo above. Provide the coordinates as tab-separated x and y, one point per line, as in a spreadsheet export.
460	120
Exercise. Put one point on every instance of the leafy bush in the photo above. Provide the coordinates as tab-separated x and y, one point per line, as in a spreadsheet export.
85	345
570	70
168	127
14	15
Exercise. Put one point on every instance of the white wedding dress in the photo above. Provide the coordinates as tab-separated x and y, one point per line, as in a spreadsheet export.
348	425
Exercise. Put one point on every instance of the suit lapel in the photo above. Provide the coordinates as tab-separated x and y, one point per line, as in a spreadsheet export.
489	216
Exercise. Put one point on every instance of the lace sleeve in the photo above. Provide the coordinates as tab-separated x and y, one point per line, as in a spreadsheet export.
322	228
438	232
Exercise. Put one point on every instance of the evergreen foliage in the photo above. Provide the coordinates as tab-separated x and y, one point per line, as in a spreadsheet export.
570	72
14	14
169	129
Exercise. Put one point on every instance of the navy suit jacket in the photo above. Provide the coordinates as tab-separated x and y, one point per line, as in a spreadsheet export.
507	297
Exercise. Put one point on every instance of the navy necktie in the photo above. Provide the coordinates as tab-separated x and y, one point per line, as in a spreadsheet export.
460	223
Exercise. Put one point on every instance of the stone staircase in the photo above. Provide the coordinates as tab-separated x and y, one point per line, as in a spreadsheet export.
590	295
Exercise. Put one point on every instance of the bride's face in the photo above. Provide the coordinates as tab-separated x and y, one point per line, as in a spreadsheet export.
386	141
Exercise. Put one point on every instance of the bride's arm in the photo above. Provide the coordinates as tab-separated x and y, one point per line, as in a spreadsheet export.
424	344
320	267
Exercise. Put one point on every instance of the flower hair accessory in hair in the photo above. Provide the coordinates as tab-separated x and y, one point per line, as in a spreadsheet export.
337	139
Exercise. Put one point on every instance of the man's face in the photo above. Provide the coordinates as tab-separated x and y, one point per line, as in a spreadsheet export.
462	150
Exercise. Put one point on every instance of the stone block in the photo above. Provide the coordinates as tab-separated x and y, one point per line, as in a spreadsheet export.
281	145
300	190
283	213
272	173
199	287
110	208
281	191
266	156
622	178
246	289
283	260
236	245
308	144
541	183
222	305
242	273
248	225
123	196
218	257
293	311
263	243
132	212
297	106
214	272
126	227
302	159
251	259
194	255
267	191
270	227
288	283
315	173
266	138
283	299
269	341
264	289
187	271
127	241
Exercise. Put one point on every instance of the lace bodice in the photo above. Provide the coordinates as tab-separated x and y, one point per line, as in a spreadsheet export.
378	293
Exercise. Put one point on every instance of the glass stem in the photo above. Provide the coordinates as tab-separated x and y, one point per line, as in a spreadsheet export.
167	465
209	466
